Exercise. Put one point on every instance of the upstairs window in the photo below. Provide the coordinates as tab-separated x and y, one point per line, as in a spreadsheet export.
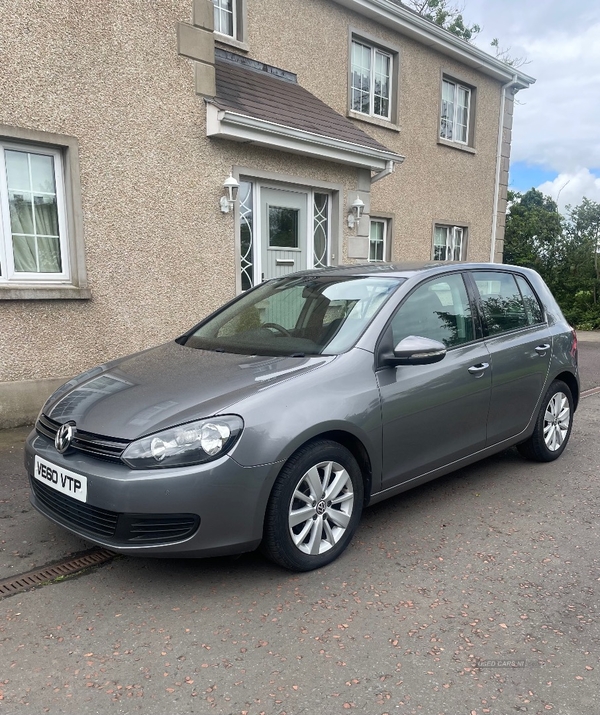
230	22
225	17
456	112
371	80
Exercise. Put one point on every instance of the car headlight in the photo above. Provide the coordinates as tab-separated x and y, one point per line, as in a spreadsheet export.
184	445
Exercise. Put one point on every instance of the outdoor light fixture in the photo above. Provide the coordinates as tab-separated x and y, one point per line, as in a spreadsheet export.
231	186
356	212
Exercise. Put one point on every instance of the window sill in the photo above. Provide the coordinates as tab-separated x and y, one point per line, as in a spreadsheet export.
231	42
456	145
383	123
43	292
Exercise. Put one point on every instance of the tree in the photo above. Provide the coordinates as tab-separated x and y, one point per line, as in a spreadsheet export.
449	16
533	231
503	53
581	277
444	14
565	251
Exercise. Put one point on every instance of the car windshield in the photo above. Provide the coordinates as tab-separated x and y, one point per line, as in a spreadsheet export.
296	316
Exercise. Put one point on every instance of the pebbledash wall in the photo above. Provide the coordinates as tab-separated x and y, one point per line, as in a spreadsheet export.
107	82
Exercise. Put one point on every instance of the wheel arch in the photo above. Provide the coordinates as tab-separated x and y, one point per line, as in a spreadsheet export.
571	382
358	450
353	443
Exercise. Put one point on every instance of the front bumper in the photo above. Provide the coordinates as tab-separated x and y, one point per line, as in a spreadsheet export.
222	503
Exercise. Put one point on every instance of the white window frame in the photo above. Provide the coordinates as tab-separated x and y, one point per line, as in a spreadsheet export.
239	37
385	222
374	52
453	233
9	275
219	11
457	86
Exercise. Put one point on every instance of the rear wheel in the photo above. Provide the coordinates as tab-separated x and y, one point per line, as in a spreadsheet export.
314	508
553	425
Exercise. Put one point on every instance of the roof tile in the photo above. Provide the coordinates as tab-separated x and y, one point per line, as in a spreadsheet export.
264	95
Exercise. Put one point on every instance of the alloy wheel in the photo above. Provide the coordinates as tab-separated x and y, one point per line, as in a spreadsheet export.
320	508
557	419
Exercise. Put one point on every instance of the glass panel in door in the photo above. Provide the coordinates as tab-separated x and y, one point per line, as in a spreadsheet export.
284	230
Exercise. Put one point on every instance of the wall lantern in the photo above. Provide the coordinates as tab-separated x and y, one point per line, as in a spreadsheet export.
356	212
231	186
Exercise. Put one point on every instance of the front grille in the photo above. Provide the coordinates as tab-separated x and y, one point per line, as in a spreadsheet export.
118	528
75	513
98	446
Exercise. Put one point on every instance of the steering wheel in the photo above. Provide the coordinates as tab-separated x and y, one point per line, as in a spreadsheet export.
279	328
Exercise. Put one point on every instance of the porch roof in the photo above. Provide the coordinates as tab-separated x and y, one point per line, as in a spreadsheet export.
264	105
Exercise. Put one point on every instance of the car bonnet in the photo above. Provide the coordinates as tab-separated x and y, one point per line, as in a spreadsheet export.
169	385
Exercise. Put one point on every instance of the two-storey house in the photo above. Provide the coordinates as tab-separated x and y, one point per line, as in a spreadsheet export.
158	157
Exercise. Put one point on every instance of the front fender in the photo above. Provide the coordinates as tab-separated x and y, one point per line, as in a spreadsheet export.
340	397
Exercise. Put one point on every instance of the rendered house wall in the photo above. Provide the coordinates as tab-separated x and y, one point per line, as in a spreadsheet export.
159	253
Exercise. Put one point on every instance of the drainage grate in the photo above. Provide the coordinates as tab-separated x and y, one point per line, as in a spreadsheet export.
31	579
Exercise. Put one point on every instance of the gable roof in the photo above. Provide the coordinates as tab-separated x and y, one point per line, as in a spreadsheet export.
267	102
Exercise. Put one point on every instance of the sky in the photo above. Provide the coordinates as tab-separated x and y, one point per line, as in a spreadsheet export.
556	131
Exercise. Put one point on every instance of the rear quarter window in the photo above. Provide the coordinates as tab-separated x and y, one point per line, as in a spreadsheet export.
533	309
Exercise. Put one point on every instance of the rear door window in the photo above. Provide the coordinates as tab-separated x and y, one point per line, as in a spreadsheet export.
502	304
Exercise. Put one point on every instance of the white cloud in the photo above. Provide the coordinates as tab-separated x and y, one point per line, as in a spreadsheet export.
556	120
570	188
511	20
557	124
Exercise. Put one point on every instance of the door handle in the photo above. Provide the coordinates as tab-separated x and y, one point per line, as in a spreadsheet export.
478	370
541	350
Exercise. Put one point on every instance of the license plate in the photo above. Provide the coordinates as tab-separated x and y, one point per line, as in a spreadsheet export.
63	480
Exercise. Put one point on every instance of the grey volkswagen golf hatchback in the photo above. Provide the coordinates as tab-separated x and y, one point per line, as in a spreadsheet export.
278	418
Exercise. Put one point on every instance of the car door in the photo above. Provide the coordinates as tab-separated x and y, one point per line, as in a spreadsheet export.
520	345
434	414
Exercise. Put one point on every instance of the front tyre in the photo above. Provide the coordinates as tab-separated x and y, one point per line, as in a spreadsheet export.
314	508
553	425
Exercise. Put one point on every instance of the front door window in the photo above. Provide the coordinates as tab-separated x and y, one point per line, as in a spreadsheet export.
283	227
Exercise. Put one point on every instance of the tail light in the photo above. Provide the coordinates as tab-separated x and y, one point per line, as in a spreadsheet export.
574	344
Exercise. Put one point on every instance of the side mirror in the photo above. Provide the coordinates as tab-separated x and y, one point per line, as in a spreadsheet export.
416	350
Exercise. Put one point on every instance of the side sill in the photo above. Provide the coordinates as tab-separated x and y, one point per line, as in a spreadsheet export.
449	468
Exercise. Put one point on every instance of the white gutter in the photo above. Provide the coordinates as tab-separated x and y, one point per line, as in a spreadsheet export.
411	24
244	128
389	169
513	83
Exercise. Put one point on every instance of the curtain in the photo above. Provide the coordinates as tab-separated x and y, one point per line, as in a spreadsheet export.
33	212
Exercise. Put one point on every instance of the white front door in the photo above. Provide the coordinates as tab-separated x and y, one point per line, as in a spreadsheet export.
284	232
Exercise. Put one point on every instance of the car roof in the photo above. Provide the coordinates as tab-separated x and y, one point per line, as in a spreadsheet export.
401	270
